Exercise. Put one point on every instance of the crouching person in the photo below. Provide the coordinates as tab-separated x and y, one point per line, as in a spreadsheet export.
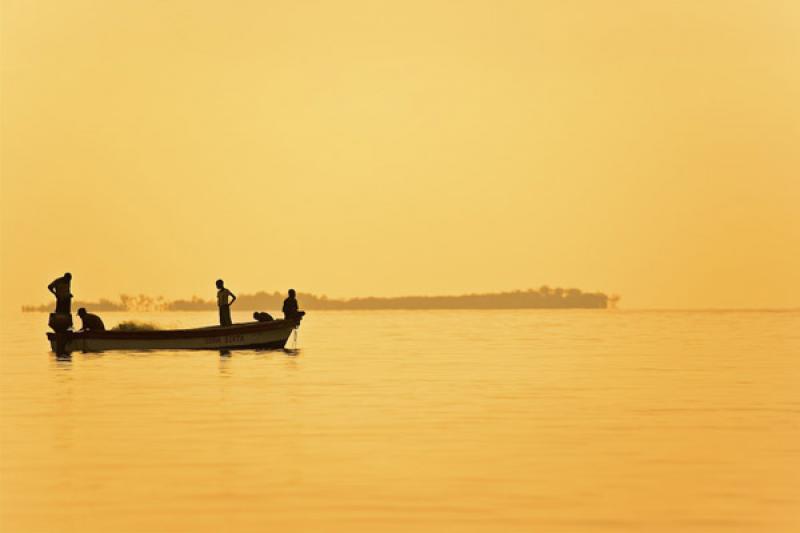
262	317
90	322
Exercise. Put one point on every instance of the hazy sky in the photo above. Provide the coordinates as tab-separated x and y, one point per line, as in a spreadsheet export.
650	149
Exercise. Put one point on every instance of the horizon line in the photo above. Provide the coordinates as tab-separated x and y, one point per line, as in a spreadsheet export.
505	309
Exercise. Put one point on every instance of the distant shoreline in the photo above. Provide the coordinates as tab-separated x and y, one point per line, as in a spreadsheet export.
543	298
627	310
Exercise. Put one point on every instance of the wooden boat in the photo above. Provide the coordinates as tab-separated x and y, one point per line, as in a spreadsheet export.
249	335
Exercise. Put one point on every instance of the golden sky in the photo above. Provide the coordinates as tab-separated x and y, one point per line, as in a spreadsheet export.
650	149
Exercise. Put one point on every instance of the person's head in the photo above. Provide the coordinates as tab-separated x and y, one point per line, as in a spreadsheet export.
256	314
67	276
81	312
220	284
292	293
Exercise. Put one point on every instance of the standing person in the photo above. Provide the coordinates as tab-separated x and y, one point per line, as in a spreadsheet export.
290	309
224	304
63	292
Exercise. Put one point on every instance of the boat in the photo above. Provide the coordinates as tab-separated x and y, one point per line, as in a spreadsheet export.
245	336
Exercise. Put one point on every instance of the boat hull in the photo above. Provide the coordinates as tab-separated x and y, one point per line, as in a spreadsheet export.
251	335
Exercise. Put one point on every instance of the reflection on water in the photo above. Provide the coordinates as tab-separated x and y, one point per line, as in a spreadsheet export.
448	420
63	361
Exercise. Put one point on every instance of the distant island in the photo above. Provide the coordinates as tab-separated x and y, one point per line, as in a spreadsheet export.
542	298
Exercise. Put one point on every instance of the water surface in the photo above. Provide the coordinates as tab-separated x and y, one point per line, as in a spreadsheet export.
533	420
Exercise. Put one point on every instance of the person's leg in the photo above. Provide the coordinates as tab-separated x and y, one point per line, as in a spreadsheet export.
225	315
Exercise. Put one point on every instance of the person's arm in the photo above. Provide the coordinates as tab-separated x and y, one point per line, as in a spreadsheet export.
52	287
234	298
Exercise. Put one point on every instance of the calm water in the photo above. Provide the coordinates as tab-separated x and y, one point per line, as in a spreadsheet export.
425	421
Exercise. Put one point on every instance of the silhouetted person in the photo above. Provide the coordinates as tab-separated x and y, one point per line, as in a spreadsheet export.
90	322
63	292
225	299
290	309
262	317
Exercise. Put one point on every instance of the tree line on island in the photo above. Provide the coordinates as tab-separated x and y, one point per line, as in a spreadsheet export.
542	298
